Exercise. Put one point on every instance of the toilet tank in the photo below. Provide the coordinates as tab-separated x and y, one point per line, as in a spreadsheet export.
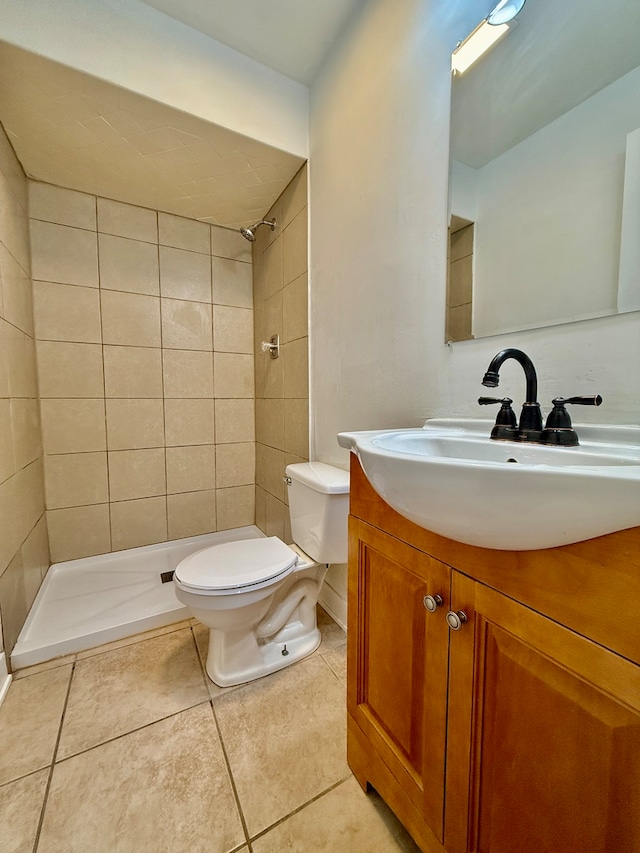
319	510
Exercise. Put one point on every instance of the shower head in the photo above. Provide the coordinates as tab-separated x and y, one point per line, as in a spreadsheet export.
250	233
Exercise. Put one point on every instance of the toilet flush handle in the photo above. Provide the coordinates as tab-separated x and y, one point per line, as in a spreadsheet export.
286	480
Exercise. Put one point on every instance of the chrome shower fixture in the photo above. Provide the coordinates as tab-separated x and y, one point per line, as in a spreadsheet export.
250	233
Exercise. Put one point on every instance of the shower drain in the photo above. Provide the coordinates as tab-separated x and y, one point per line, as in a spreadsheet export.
166	577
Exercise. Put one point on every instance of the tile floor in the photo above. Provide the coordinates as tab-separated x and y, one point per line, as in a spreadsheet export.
129	747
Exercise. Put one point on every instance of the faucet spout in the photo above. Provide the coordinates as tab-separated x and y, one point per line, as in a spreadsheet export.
530	424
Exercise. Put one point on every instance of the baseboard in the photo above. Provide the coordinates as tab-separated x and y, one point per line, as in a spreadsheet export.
334	604
5	677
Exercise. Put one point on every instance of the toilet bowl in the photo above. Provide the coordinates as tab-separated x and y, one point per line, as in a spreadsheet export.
258	597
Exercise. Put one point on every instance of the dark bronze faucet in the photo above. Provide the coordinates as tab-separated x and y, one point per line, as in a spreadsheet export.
558	429
530	423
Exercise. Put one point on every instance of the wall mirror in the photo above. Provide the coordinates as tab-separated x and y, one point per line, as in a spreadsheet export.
544	188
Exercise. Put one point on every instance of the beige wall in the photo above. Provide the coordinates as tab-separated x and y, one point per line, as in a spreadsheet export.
144	328
282	384
24	552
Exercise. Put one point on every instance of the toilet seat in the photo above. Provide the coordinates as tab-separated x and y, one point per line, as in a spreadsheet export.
234	566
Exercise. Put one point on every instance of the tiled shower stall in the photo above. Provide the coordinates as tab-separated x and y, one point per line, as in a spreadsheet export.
136	404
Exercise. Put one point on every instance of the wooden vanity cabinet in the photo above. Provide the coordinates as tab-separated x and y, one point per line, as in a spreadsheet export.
515	733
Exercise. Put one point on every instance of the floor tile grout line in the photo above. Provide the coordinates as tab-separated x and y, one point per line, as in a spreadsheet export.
45	799
245	828
295	811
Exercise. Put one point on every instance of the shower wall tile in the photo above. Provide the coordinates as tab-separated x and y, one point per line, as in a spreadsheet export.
185	275
125	323
184	233
69	369
128	265
191	513
235	507
134	424
133	372
189	422
130	319
64	254
73	426
282	387
136	474
138	522
62	206
187	374
76	479
82	531
24	549
64	312
126	220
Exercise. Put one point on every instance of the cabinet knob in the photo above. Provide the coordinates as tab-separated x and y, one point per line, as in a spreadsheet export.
432	602
456	620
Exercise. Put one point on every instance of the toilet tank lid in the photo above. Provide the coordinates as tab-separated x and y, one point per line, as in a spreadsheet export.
320	476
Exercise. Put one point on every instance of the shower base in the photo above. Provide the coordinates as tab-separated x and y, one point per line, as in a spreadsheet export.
84	603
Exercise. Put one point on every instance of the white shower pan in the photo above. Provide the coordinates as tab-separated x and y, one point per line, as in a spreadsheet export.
84	603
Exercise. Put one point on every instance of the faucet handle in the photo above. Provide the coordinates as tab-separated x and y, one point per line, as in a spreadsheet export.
506	421
558	429
596	400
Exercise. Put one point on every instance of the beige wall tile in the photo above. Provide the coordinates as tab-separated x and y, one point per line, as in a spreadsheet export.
134	424
130	319
69	369
270	422
64	254
29	496
16	300
187	373
76	479
273	268
295	320
79	532
128	265
295	359
191	513
269	320
460	285
232	329
27	436
189	422
7	457
132	372
21	363
64	312
232	282
190	469
275	517
63	206
73	426
185	275
261	509
235	420
7	342
11	533
269	375
296	427
235	465
35	559
13	602
136	474
461	243
270	465
235	507
233	375
138	522
126	220
226	243
186	325
295	254
294	198
183	233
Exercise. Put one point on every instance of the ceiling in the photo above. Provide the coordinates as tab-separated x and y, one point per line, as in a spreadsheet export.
76	131
290	36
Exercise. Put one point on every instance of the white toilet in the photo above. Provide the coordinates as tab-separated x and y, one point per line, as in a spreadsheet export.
259	596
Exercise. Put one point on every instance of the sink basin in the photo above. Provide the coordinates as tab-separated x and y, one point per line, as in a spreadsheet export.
451	478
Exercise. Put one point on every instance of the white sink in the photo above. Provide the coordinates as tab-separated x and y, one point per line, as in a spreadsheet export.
451	478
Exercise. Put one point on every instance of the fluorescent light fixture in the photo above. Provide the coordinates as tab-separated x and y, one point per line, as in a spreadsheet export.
481	40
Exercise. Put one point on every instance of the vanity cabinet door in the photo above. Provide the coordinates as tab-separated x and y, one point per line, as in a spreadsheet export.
398	663
546	726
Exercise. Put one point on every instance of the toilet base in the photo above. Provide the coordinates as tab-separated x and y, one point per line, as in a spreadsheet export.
258	658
